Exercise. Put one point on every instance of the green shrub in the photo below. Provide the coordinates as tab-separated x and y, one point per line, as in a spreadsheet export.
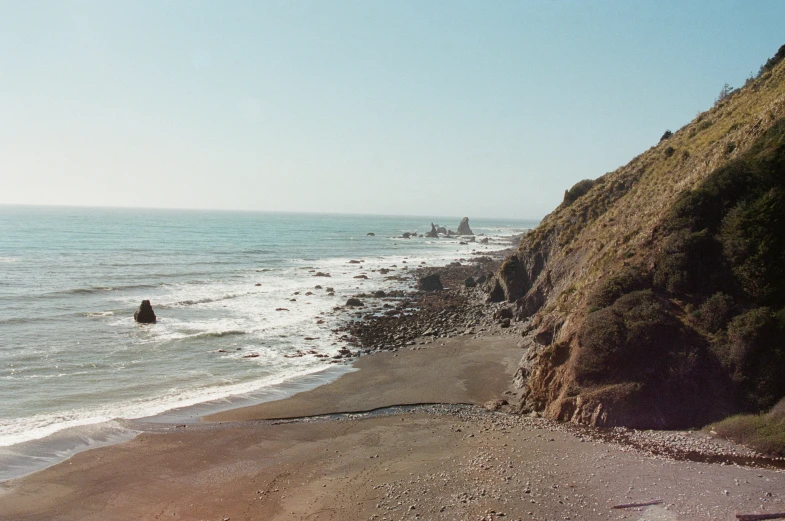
609	290
757	357
753	239
626	341
729	148
714	314
689	263
666	135
773	61
669	151
578	189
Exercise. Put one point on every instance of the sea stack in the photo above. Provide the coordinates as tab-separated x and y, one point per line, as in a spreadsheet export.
463	228
145	313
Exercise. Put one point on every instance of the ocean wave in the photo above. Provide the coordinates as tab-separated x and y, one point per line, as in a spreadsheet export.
218	334
99	314
96	289
9	260
206	300
19	430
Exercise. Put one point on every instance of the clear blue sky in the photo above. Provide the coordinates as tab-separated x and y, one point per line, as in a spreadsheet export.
399	107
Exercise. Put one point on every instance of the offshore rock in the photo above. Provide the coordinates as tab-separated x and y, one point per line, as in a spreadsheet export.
145	313
463	227
433	233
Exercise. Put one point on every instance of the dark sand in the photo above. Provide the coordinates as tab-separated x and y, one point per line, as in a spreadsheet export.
471	465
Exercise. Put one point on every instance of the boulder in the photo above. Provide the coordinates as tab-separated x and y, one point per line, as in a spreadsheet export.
433	233
441	229
379	294
354	302
406	235
145	313
370	234
470	282
503	313
484	240
463	227
430	283
496	293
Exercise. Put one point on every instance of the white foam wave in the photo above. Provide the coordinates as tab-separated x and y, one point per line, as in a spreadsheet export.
100	314
19	430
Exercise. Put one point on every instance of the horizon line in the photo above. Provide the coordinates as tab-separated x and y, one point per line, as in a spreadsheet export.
242	210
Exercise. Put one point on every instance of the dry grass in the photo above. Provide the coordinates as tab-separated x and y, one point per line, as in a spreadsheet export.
763	432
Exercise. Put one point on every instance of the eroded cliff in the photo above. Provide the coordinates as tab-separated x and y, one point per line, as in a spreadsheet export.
653	296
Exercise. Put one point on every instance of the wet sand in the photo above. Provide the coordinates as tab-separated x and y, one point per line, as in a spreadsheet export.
455	370
470	464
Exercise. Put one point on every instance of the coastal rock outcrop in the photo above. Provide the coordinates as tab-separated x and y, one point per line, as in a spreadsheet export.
637	294
433	233
463	227
430	283
145	313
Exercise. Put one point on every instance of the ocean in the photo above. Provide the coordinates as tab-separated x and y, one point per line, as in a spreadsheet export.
74	364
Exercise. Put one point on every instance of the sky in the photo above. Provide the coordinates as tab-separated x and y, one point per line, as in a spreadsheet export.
405	107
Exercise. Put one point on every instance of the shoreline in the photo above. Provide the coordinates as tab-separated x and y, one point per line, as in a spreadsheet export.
32	456
434	462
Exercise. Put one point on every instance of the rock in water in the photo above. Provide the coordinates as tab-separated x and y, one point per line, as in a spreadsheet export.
430	283
463	228
432	233
145	313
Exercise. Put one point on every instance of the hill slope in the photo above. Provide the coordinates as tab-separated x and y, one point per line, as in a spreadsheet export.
655	295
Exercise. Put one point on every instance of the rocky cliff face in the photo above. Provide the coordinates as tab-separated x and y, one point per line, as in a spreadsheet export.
652	295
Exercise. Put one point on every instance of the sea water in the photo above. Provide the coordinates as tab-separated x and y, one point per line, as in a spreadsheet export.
235	295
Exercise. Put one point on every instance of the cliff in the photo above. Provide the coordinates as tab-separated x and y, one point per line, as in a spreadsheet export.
654	296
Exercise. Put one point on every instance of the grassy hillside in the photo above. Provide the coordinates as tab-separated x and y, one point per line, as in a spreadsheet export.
655	294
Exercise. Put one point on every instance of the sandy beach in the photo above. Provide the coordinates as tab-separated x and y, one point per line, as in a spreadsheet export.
425	463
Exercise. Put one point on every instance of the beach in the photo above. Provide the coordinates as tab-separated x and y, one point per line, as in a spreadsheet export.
428	462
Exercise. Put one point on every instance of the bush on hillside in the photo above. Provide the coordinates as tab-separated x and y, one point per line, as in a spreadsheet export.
713	315
689	263
578	189
666	135
627	341
756	356
753	239
609	290
773	61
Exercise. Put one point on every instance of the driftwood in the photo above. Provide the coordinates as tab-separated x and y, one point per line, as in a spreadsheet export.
633	505
759	517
